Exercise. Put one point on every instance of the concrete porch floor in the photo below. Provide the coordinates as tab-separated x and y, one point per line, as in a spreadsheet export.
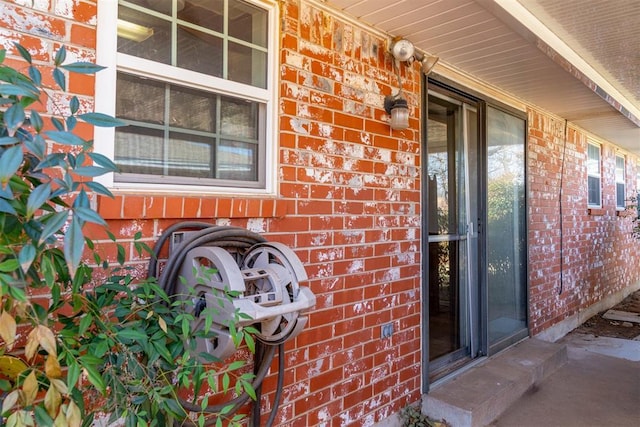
578	381
598	386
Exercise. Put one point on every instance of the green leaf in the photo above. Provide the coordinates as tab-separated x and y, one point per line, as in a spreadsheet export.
36	120
162	350
121	255
35	75
61	55
57	123
132	334
26	256
53	223
248	388
37	198
14	118
9	265
48	270
225	381
51	161
95	378
6	207
17	90
58	77
23	52
73	245
71	123
83	67
101	120
91	171
236	365
84	324
251	343
89	359
89	215
175	408
102	160
65	138
8	140
82	201
73	374
74	105
10	161
42	417
37	146
98	188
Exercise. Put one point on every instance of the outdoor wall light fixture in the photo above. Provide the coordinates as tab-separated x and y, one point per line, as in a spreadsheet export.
396	105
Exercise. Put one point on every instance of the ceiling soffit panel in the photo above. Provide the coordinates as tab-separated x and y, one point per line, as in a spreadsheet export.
485	41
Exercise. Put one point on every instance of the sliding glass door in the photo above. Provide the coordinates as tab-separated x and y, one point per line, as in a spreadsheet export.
506	229
474	229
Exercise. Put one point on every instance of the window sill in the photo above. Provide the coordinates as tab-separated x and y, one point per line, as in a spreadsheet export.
136	206
596	211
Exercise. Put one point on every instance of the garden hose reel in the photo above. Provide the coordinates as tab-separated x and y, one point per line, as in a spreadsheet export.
262	283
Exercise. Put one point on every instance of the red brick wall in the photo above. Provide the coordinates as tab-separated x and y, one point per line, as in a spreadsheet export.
349	203
600	255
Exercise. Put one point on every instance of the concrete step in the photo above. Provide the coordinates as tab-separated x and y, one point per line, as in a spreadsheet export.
478	396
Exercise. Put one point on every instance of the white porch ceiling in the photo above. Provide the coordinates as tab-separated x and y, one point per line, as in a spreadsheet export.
579	59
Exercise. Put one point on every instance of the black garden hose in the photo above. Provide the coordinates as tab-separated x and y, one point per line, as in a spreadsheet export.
239	240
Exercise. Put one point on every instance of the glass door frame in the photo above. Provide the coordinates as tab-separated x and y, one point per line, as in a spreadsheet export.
448	88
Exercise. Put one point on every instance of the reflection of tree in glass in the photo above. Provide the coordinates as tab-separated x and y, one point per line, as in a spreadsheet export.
506	200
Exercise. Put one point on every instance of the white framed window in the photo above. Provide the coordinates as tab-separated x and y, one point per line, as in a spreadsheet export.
620	183
195	82
594	175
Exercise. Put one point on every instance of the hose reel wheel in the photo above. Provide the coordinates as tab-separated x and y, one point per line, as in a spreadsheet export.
280	285
265	287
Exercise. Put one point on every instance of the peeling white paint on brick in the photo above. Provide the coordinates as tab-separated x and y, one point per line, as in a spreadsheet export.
405	258
316	369
324	416
357	81
296	60
65	8
58	104
328	301
325	130
131	228
356	182
31	23
319	239
381	181
300	125
319	176
354	150
392	195
313	48
223	221
391	274
357	266
257	225
296	92
331	254
296	389
362	307
406	158
355	236
41	5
